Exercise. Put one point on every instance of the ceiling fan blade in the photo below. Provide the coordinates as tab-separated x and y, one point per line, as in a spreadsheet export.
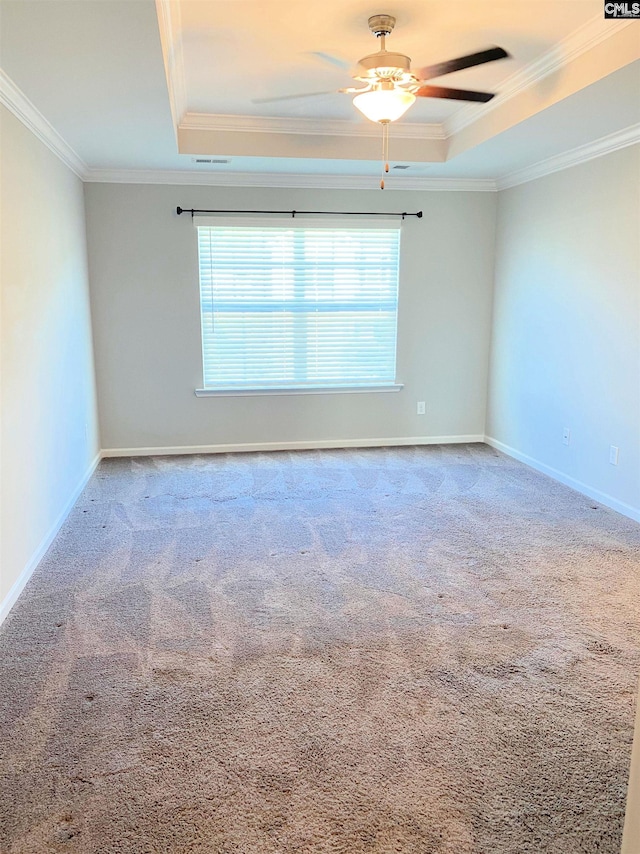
489	55
453	94
291	97
332	60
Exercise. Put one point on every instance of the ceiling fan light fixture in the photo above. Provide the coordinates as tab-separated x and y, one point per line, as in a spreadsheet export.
384	105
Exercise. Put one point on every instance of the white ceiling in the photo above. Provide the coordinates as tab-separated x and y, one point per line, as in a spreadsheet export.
124	82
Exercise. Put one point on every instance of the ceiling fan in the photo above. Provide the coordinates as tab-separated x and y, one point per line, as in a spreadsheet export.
391	87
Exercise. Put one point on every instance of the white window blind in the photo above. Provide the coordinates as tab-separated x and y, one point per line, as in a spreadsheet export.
298	307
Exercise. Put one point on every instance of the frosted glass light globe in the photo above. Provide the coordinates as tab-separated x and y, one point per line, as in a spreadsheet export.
384	105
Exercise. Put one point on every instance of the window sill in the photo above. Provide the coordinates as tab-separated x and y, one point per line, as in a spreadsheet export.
251	392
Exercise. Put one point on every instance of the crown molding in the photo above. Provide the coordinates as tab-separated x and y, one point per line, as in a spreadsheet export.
169	24
586	37
22	108
310	127
286	180
575	156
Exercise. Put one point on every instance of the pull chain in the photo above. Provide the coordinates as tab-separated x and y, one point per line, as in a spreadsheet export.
385	152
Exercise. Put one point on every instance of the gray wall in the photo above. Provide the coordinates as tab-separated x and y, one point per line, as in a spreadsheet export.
566	326
144	285
49	432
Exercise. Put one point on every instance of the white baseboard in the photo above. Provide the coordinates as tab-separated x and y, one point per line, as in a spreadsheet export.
19	584
310	445
578	485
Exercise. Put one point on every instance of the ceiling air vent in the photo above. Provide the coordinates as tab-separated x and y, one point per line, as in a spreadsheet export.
210	161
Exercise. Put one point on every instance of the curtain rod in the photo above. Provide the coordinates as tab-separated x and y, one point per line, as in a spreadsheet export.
403	214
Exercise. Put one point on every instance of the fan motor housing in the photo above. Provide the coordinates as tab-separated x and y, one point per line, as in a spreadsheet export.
385	65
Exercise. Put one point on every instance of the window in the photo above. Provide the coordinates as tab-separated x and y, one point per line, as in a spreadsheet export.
298	306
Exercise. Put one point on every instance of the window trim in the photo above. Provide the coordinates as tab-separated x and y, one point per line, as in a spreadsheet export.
324	389
303	223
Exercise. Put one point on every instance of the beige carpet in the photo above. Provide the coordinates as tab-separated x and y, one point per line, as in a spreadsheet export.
341	652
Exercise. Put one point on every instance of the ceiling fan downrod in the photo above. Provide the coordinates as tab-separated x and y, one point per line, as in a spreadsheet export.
381	26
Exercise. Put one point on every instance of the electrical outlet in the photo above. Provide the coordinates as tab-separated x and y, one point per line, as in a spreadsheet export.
421	407
566	436
613	455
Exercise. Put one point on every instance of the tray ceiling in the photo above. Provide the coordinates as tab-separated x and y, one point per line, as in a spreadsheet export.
144	85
